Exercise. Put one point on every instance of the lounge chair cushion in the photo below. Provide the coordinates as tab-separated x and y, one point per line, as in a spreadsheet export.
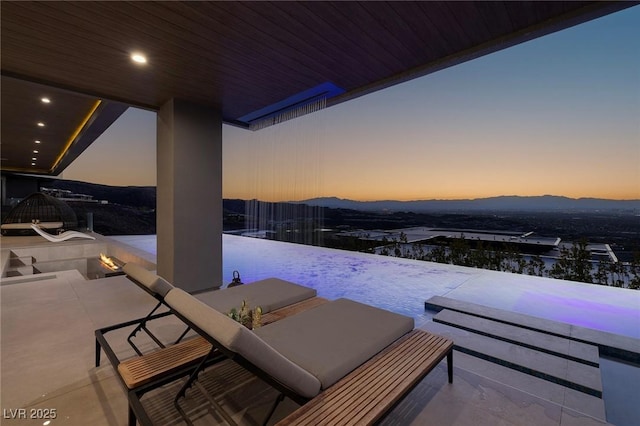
270	294
243	341
333	339
153	282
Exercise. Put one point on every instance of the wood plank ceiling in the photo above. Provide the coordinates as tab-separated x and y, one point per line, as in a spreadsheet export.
242	56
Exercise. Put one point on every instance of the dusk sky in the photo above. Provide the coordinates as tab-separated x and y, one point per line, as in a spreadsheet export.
557	115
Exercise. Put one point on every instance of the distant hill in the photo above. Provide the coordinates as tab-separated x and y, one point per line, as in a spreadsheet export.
131	209
135	196
548	203
145	197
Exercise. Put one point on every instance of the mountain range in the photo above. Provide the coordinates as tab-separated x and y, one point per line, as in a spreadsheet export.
552	203
145	197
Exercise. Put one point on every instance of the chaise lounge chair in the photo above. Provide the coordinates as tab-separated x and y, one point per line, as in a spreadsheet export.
67	235
277	298
308	353
270	294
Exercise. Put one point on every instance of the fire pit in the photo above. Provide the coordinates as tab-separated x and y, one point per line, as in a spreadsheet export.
104	266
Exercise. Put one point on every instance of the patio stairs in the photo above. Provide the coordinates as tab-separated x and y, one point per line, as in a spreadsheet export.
612	345
521	355
535	355
19	266
44	258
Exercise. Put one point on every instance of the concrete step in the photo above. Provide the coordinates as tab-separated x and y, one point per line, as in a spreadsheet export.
543	342
15	261
569	398
613	345
16	271
571	374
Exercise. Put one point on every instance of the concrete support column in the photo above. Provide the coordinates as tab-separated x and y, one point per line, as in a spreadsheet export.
189	195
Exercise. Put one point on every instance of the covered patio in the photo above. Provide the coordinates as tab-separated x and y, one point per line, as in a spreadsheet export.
199	65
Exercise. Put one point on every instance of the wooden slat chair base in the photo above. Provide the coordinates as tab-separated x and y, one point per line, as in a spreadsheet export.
144	369
373	389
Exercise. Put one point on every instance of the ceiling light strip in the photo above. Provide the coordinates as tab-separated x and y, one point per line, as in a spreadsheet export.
75	135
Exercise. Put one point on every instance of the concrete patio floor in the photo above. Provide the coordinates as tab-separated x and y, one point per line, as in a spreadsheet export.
47	361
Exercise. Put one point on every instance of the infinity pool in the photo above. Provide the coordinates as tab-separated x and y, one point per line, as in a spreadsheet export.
402	285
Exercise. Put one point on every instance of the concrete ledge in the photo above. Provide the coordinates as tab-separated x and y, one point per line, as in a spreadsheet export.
543	342
613	345
127	253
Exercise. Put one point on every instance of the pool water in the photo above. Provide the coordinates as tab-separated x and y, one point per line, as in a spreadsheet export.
403	285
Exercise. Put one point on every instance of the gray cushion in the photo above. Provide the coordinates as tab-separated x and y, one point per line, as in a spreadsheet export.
161	286
333	339
270	294
155	283
241	340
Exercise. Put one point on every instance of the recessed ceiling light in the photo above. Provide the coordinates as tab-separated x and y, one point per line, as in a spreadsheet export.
138	58
33	164
45	100
40	124
34	158
38	142
35	151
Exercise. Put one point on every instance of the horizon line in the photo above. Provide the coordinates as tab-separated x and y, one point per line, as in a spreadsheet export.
636	198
